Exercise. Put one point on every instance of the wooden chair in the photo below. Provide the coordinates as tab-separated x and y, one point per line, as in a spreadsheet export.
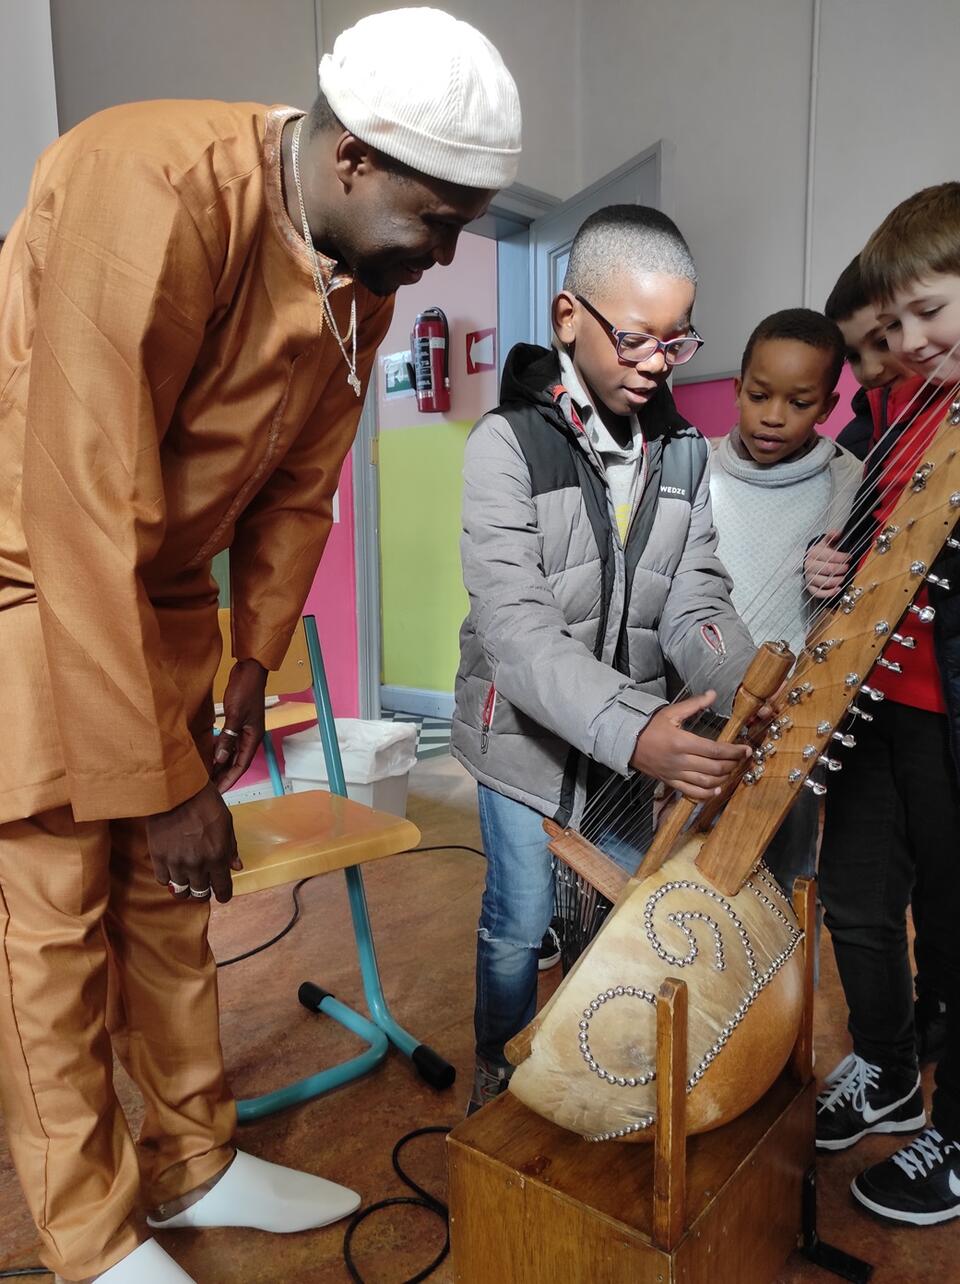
293	836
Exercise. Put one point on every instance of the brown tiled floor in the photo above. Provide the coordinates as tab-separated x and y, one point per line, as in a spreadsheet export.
424	909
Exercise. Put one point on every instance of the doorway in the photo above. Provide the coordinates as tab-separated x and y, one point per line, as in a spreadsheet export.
406	477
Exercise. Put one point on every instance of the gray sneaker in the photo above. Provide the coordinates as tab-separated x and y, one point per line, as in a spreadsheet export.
489	1080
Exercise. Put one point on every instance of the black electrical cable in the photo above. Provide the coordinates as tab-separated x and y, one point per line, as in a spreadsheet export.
295	917
421	1199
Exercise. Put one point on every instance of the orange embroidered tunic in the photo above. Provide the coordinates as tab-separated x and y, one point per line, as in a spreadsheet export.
167	390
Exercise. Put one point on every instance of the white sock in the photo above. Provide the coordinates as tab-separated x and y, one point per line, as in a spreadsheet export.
266	1197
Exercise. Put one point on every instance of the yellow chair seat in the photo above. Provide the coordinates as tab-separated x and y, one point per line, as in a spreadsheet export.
284	839
286	714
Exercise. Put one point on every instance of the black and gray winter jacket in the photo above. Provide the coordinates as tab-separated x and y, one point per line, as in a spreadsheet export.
566	649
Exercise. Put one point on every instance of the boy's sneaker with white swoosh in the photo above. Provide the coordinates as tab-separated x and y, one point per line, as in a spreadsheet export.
859	1098
920	1184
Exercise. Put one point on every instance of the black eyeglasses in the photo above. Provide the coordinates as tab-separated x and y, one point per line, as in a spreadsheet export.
633	348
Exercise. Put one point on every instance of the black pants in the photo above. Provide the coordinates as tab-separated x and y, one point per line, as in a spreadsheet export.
893	820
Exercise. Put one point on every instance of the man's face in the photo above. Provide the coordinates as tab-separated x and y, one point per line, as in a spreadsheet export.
645	303
922	323
868	353
401	226
784	393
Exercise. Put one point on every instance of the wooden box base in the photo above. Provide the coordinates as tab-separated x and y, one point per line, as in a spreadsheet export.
531	1203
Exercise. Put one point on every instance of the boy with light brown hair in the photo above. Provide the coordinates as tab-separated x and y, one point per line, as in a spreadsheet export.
896	809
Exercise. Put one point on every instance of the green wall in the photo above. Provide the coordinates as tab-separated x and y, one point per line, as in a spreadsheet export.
423	599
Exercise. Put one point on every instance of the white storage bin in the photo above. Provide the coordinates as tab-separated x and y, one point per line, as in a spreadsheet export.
377	757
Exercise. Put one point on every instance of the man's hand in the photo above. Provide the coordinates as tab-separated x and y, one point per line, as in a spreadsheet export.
697	767
242	723
193	845
825	567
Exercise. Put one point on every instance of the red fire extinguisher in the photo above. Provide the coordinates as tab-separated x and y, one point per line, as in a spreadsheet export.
430	353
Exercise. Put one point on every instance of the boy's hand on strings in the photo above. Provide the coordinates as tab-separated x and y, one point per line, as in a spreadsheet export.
825	567
699	768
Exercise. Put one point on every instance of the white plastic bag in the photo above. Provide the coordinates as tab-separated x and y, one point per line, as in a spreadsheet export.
370	751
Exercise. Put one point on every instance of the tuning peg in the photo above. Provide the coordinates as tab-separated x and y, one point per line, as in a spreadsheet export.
753	775
822	650
953	543
797	694
779	726
923	613
873	693
850	600
815	785
831	764
845	739
920	568
808	752
887	535
908	642
919	479
891	665
856	712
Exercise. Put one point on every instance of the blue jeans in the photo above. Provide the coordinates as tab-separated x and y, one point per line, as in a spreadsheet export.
792	851
514	915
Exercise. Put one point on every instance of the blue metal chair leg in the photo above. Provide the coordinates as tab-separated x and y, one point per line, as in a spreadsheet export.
273	766
317	1000
431	1066
438	1072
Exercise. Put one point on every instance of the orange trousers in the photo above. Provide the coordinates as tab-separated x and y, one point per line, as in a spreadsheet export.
96	957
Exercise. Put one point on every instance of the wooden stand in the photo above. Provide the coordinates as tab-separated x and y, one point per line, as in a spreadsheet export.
531	1203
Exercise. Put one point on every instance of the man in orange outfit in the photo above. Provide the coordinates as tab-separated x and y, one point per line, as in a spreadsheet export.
190	305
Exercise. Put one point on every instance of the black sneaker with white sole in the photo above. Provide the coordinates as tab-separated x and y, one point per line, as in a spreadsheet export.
549	954
920	1184
859	1098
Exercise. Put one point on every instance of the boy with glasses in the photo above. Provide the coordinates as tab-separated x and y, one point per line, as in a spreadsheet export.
589	555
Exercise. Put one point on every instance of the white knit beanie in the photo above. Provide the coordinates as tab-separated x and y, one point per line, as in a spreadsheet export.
428	90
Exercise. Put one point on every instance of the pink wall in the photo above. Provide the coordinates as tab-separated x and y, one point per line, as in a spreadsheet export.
712	408
333	600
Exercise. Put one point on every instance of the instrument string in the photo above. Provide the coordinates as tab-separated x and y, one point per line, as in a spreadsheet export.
604	809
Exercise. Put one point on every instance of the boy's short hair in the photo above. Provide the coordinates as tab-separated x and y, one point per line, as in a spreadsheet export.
921	236
848	295
804	326
620	237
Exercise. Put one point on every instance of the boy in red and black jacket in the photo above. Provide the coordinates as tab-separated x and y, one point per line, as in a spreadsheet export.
894	816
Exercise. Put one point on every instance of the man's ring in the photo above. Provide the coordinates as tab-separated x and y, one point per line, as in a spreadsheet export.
202	895
227	732
179	888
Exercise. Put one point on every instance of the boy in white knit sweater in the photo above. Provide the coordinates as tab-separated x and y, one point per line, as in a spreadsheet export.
775	484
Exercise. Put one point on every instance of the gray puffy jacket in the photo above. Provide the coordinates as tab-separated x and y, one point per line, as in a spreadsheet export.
570	635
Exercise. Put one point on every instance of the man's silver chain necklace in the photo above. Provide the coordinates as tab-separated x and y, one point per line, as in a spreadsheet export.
319	283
